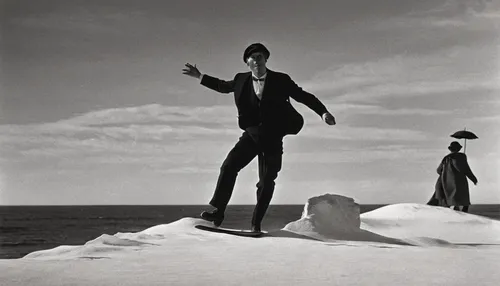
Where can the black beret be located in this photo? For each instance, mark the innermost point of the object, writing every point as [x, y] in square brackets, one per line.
[454, 146]
[255, 48]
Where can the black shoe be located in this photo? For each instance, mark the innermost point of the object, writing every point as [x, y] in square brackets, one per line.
[214, 216]
[256, 228]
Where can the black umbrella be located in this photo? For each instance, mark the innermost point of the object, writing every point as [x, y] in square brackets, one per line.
[464, 134]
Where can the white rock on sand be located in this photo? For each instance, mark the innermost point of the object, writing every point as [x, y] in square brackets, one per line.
[331, 244]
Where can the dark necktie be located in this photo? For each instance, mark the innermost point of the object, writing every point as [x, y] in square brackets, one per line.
[258, 79]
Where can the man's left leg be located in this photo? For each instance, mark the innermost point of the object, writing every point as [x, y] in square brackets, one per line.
[270, 161]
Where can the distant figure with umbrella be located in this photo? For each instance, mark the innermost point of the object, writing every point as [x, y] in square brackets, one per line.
[452, 188]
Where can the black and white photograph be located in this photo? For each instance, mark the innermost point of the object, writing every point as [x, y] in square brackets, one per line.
[277, 142]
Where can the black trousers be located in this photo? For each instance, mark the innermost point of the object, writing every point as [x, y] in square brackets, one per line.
[252, 143]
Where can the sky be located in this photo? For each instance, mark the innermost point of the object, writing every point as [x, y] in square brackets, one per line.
[94, 108]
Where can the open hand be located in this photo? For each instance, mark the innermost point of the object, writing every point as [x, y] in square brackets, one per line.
[191, 70]
[328, 118]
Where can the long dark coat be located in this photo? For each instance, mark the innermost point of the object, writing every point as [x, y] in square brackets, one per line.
[452, 188]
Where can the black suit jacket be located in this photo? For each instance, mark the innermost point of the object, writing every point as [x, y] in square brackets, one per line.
[274, 111]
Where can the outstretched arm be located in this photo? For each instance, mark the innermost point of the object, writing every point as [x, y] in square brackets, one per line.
[209, 81]
[217, 84]
[311, 101]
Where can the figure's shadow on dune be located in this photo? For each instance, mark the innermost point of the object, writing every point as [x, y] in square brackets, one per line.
[287, 234]
[359, 235]
[355, 236]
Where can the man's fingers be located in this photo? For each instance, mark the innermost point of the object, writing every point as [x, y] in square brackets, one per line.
[191, 68]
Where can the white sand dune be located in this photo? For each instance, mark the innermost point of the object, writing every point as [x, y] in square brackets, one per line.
[412, 222]
[331, 244]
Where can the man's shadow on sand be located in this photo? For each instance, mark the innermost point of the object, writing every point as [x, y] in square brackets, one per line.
[361, 237]
[353, 237]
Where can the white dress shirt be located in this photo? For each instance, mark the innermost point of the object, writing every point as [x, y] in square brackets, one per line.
[258, 85]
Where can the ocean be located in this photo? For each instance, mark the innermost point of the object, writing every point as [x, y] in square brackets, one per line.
[24, 229]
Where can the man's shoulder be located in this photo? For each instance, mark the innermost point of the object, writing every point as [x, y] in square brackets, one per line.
[458, 156]
[242, 75]
[278, 73]
[279, 76]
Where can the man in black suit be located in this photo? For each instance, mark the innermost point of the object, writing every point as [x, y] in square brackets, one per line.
[265, 115]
